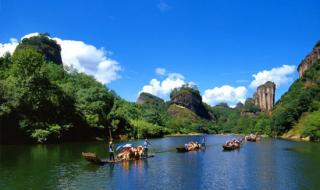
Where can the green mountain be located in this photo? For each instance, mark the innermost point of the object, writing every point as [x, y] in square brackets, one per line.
[297, 112]
[45, 46]
[147, 98]
[42, 102]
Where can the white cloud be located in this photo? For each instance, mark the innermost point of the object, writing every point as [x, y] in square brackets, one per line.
[226, 94]
[163, 88]
[160, 71]
[83, 57]
[279, 75]
[88, 59]
[8, 47]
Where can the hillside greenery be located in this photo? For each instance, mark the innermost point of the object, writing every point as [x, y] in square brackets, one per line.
[185, 89]
[300, 102]
[45, 46]
[41, 101]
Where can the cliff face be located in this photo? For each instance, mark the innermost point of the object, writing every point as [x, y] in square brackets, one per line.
[309, 60]
[191, 99]
[146, 98]
[264, 97]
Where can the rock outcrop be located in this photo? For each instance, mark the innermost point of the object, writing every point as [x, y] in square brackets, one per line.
[190, 98]
[146, 98]
[44, 45]
[264, 97]
[309, 60]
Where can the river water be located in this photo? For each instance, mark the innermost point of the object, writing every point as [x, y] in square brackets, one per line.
[270, 164]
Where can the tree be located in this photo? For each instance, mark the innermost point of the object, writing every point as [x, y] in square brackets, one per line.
[250, 107]
[95, 104]
[45, 46]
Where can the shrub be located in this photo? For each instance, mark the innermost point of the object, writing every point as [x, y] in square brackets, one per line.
[144, 129]
[310, 125]
[40, 135]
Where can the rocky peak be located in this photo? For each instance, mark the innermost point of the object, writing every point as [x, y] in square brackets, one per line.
[309, 60]
[264, 96]
[189, 97]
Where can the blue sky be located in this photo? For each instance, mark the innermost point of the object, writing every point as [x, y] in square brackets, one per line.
[210, 43]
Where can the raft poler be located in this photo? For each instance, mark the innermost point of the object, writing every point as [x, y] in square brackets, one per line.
[146, 145]
[203, 142]
[111, 151]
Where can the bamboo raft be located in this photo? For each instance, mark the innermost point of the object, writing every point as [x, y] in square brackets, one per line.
[228, 148]
[94, 159]
[183, 149]
[253, 139]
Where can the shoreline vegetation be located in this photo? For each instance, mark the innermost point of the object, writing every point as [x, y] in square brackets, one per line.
[42, 101]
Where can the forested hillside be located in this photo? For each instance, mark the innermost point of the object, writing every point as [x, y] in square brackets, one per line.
[43, 101]
[298, 109]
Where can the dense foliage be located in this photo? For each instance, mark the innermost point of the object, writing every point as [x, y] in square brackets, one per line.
[41, 101]
[185, 89]
[302, 97]
[309, 125]
[235, 120]
[45, 46]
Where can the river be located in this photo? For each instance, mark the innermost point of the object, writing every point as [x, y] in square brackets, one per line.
[270, 164]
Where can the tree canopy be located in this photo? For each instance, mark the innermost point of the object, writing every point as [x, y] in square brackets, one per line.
[45, 46]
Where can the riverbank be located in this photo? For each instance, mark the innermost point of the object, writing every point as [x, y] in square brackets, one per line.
[181, 134]
[295, 134]
[295, 137]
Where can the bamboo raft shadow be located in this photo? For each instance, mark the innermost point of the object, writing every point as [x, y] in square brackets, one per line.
[230, 148]
[183, 149]
[94, 159]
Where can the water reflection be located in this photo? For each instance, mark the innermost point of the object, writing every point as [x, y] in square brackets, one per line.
[271, 164]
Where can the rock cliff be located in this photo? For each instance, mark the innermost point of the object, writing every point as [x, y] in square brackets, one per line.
[190, 98]
[264, 97]
[309, 60]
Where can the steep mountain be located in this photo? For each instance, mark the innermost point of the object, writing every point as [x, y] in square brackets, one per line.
[264, 96]
[302, 101]
[189, 97]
